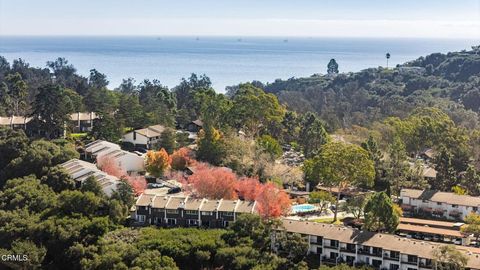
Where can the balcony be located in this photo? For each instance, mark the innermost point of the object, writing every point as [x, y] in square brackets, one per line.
[348, 250]
[426, 265]
[411, 262]
[364, 251]
[391, 258]
[330, 246]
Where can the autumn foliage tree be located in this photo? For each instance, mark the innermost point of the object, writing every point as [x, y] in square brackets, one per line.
[272, 201]
[248, 188]
[181, 158]
[214, 183]
[109, 166]
[157, 162]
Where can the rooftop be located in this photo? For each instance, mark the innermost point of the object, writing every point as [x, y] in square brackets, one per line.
[443, 197]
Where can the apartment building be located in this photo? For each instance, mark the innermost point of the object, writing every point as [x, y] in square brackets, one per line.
[338, 244]
[184, 211]
[438, 204]
[81, 170]
[126, 161]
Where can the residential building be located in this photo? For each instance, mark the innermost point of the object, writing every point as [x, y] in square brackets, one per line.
[194, 126]
[145, 138]
[185, 211]
[127, 161]
[81, 170]
[83, 121]
[438, 204]
[80, 121]
[338, 244]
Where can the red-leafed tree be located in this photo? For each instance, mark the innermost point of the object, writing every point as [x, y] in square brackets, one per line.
[108, 165]
[138, 183]
[248, 188]
[181, 158]
[272, 202]
[214, 183]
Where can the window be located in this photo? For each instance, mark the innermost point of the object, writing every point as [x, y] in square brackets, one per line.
[333, 255]
[134, 136]
[394, 254]
[412, 259]
[454, 206]
[226, 223]
[319, 250]
[191, 212]
[141, 218]
[192, 222]
[172, 211]
[439, 203]
[171, 221]
[394, 267]
[207, 213]
[334, 243]
[475, 209]
[227, 214]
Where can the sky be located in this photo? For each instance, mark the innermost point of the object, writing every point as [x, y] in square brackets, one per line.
[309, 18]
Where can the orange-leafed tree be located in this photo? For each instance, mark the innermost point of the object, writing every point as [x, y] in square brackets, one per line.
[214, 183]
[157, 162]
[108, 165]
[272, 202]
[248, 188]
[181, 158]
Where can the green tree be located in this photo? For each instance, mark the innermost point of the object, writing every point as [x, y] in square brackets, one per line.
[448, 257]
[356, 206]
[472, 226]
[71, 202]
[152, 259]
[254, 110]
[27, 193]
[92, 185]
[271, 146]
[210, 146]
[167, 140]
[58, 179]
[380, 213]
[322, 198]
[14, 94]
[130, 112]
[332, 67]
[312, 135]
[51, 110]
[446, 174]
[34, 253]
[107, 128]
[397, 165]
[340, 165]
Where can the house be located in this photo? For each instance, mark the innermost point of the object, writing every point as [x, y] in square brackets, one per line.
[81, 170]
[194, 126]
[185, 211]
[428, 154]
[333, 245]
[438, 204]
[83, 121]
[145, 138]
[126, 161]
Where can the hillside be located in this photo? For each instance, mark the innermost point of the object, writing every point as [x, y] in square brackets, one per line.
[449, 81]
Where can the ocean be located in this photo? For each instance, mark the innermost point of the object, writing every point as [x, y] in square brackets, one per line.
[226, 60]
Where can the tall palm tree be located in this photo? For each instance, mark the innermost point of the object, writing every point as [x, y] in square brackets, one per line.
[388, 57]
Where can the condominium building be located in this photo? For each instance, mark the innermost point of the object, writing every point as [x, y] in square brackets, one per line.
[173, 210]
[338, 244]
[438, 204]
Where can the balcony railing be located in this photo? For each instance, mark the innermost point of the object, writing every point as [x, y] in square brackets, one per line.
[349, 250]
[392, 258]
[410, 262]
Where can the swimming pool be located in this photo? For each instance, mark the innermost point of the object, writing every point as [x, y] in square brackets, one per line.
[303, 208]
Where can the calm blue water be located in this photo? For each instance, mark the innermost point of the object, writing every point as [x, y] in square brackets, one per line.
[303, 208]
[226, 60]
